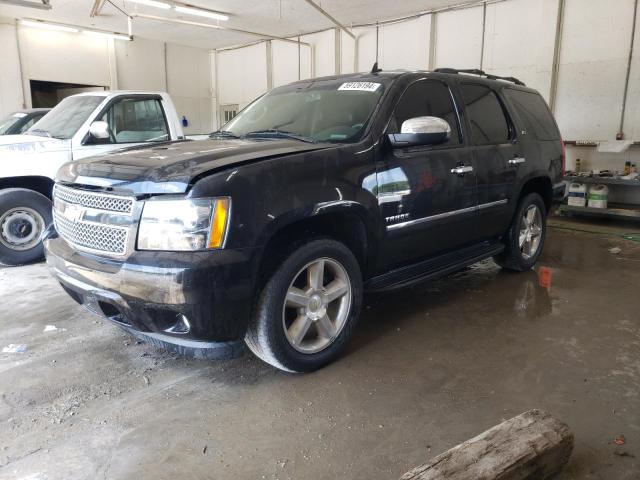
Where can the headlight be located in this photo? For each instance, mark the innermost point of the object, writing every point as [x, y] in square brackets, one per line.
[184, 225]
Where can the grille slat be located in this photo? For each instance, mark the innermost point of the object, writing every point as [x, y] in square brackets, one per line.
[100, 237]
[111, 203]
[89, 235]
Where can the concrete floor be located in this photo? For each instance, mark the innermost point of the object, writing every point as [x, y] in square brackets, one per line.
[428, 368]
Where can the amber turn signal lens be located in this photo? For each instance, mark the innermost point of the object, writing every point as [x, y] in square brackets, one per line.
[219, 223]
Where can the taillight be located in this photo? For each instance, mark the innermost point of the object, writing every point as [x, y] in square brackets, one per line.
[564, 157]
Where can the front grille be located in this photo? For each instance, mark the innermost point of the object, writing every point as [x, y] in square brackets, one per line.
[97, 222]
[100, 201]
[102, 238]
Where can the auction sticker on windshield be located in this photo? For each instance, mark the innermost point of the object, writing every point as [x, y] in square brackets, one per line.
[361, 86]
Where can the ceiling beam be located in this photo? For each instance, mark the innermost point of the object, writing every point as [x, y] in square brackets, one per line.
[326, 14]
[97, 6]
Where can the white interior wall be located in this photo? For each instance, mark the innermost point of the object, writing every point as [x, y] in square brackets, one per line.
[405, 45]
[137, 65]
[11, 97]
[241, 74]
[141, 65]
[45, 56]
[459, 38]
[593, 63]
[284, 56]
[531, 57]
[365, 48]
[189, 83]
[347, 50]
[323, 46]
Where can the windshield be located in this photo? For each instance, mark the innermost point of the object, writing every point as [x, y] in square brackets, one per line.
[325, 111]
[8, 122]
[66, 118]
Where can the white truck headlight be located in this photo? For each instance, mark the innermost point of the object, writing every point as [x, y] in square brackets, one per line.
[184, 225]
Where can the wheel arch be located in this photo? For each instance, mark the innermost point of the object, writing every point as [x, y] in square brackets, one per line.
[42, 185]
[540, 184]
[347, 222]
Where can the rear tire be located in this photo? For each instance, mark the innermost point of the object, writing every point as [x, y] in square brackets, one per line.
[24, 215]
[308, 308]
[525, 238]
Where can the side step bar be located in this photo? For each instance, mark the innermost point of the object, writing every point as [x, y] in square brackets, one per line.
[432, 268]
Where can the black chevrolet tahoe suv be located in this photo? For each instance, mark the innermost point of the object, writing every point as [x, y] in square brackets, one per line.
[271, 230]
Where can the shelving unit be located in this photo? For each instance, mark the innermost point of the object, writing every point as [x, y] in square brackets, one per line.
[617, 211]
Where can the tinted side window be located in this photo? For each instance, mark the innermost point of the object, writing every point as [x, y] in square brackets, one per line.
[486, 116]
[426, 98]
[533, 111]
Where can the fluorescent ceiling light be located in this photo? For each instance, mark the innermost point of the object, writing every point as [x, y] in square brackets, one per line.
[25, 3]
[48, 26]
[117, 36]
[152, 3]
[201, 13]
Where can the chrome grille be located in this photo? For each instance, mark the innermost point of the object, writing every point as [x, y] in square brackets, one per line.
[100, 201]
[101, 238]
[96, 222]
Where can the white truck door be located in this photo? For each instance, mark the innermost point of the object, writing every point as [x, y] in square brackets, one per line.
[133, 120]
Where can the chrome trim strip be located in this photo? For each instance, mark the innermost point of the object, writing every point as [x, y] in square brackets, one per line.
[451, 213]
[493, 204]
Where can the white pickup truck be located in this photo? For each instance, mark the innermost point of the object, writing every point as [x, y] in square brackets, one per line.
[79, 126]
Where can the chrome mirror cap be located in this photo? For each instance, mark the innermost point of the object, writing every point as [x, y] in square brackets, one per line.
[99, 130]
[421, 131]
[426, 125]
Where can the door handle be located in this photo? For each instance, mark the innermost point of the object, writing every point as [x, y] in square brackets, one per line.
[517, 160]
[462, 169]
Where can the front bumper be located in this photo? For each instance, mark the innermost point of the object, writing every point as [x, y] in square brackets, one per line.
[194, 303]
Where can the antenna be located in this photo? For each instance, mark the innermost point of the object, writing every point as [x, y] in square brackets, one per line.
[375, 68]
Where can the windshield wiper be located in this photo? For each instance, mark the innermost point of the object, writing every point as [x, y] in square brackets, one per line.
[275, 133]
[40, 132]
[223, 133]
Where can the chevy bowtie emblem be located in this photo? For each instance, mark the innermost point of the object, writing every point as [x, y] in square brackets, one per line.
[73, 212]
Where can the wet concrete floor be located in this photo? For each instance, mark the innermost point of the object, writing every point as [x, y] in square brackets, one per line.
[428, 368]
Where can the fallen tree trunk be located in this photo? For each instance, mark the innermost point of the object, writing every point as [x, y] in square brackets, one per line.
[532, 445]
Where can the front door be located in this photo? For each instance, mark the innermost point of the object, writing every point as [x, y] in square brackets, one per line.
[497, 157]
[427, 193]
[132, 121]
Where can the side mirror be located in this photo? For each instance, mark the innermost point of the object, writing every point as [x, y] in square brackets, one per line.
[419, 131]
[99, 130]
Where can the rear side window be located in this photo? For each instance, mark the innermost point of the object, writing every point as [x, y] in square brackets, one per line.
[534, 113]
[486, 115]
[426, 98]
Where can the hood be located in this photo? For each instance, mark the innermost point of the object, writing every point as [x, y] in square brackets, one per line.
[31, 144]
[172, 167]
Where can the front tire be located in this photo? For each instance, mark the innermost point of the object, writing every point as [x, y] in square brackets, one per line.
[525, 238]
[308, 308]
[24, 215]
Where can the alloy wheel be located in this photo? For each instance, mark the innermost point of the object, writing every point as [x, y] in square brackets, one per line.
[317, 305]
[530, 232]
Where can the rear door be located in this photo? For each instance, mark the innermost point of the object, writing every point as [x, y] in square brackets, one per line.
[497, 156]
[425, 206]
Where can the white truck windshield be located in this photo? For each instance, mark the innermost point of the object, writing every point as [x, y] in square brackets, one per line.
[67, 117]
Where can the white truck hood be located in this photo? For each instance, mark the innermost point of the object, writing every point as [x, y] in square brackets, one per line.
[32, 143]
[22, 155]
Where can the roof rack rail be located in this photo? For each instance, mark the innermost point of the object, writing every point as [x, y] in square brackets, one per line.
[481, 73]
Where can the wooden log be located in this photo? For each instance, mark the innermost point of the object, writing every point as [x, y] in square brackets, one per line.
[531, 446]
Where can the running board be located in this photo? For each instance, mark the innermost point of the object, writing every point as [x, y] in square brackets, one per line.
[432, 268]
